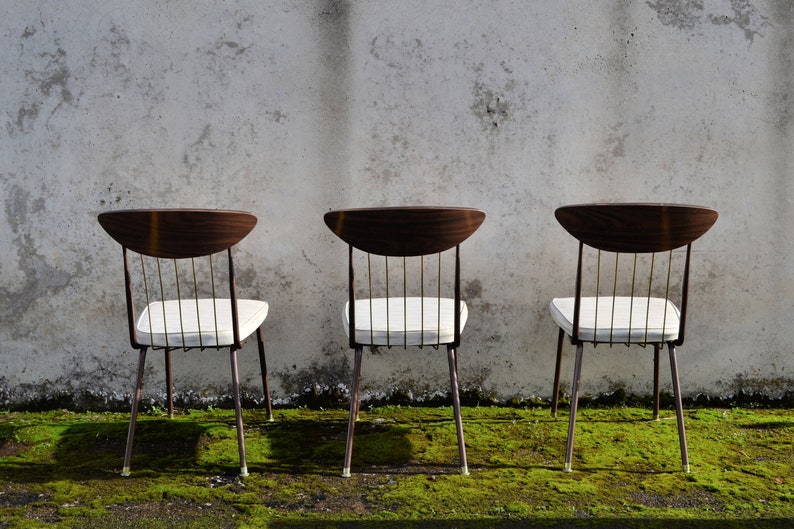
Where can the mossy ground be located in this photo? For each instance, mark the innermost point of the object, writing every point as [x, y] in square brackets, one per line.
[62, 468]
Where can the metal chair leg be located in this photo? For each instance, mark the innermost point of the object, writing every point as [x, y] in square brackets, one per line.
[238, 409]
[351, 425]
[657, 349]
[555, 394]
[577, 372]
[169, 382]
[263, 367]
[453, 377]
[679, 408]
[136, 399]
[357, 400]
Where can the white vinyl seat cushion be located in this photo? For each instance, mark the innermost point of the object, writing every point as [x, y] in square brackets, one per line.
[410, 321]
[625, 324]
[197, 323]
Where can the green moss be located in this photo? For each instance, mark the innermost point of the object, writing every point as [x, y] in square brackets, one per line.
[64, 467]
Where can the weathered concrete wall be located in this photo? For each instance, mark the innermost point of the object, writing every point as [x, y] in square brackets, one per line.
[292, 108]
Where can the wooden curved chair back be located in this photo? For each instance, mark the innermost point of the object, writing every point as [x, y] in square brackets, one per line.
[404, 232]
[636, 229]
[176, 234]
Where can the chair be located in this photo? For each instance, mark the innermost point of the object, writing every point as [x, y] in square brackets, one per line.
[417, 314]
[631, 298]
[186, 284]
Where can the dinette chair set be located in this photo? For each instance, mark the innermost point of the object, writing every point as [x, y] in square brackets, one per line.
[404, 289]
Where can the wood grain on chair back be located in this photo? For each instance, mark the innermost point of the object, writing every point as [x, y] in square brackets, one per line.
[404, 231]
[177, 233]
[637, 228]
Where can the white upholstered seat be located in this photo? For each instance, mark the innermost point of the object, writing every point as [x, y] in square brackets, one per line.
[192, 323]
[620, 322]
[408, 321]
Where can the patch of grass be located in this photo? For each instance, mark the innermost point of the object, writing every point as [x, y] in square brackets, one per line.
[63, 467]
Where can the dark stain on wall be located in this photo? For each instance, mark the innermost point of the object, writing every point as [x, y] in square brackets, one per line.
[56, 80]
[334, 84]
[614, 147]
[40, 397]
[688, 15]
[40, 277]
[192, 157]
[745, 17]
[490, 106]
[320, 384]
[681, 14]
[49, 80]
[472, 289]
[26, 116]
[782, 104]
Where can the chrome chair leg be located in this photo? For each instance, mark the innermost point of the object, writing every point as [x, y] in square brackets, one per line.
[555, 394]
[453, 377]
[238, 410]
[169, 383]
[679, 408]
[136, 399]
[577, 372]
[358, 396]
[263, 367]
[657, 349]
[351, 425]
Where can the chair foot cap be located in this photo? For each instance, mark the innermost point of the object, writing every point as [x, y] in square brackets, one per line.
[125, 472]
[464, 471]
[567, 468]
[687, 470]
[244, 472]
[346, 473]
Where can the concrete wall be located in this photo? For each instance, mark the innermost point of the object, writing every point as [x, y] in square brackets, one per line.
[291, 108]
